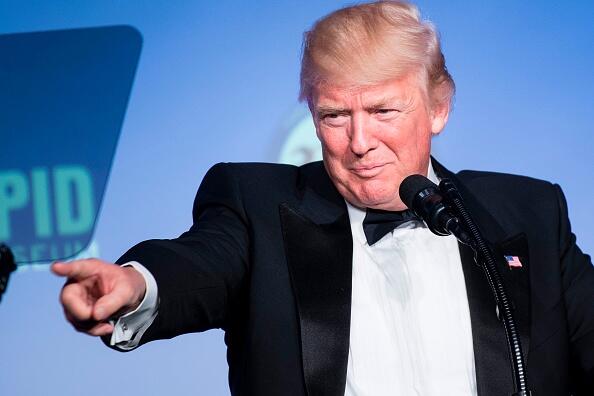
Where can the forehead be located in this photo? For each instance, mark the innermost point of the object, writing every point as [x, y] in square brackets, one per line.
[395, 90]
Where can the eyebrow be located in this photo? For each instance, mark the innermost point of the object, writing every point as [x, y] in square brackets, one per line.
[332, 109]
[387, 101]
[401, 103]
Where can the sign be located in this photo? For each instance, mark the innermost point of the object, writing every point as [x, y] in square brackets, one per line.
[63, 97]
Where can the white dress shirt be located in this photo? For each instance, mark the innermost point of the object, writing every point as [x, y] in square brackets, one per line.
[410, 321]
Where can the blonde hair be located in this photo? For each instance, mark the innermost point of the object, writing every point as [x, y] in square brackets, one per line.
[370, 43]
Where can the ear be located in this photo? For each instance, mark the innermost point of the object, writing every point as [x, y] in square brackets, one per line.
[439, 116]
[312, 112]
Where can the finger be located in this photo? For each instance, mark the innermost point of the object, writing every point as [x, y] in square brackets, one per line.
[75, 301]
[101, 329]
[82, 326]
[59, 268]
[77, 269]
[111, 303]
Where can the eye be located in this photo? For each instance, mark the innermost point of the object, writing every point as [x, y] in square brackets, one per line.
[332, 115]
[385, 111]
[333, 119]
[385, 114]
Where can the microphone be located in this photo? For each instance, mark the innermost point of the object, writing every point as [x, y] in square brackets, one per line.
[423, 197]
[7, 265]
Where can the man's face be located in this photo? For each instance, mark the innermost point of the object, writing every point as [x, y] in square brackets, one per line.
[373, 137]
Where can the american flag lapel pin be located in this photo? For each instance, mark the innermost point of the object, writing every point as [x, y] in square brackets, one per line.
[513, 262]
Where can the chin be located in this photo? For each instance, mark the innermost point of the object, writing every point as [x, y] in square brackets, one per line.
[380, 199]
[376, 201]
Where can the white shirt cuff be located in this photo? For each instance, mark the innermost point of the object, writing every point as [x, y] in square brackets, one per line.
[129, 328]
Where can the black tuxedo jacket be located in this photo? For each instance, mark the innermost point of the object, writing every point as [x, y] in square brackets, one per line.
[269, 258]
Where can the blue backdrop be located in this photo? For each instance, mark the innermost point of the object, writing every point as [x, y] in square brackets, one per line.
[218, 81]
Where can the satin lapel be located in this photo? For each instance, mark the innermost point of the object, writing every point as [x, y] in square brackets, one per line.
[318, 245]
[491, 358]
[493, 365]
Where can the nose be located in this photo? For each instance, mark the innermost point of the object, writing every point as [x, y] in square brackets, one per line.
[362, 137]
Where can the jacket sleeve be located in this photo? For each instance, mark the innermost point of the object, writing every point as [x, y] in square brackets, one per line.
[200, 275]
[578, 291]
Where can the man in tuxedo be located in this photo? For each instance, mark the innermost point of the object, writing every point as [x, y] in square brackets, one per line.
[322, 280]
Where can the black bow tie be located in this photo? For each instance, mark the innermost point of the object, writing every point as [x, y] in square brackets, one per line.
[378, 223]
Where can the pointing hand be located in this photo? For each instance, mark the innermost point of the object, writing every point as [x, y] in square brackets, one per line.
[97, 291]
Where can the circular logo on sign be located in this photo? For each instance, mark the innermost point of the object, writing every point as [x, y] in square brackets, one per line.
[300, 144]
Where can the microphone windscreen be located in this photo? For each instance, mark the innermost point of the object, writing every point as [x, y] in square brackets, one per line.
[411, 186]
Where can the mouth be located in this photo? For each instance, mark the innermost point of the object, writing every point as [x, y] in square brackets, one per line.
[367, 171]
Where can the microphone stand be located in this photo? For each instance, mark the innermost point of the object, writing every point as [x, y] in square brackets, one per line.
[7, 265]
[485, 258]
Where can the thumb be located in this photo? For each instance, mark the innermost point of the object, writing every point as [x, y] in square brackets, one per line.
[110, 304]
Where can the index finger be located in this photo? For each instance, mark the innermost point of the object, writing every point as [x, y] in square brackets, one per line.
[77, 269]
